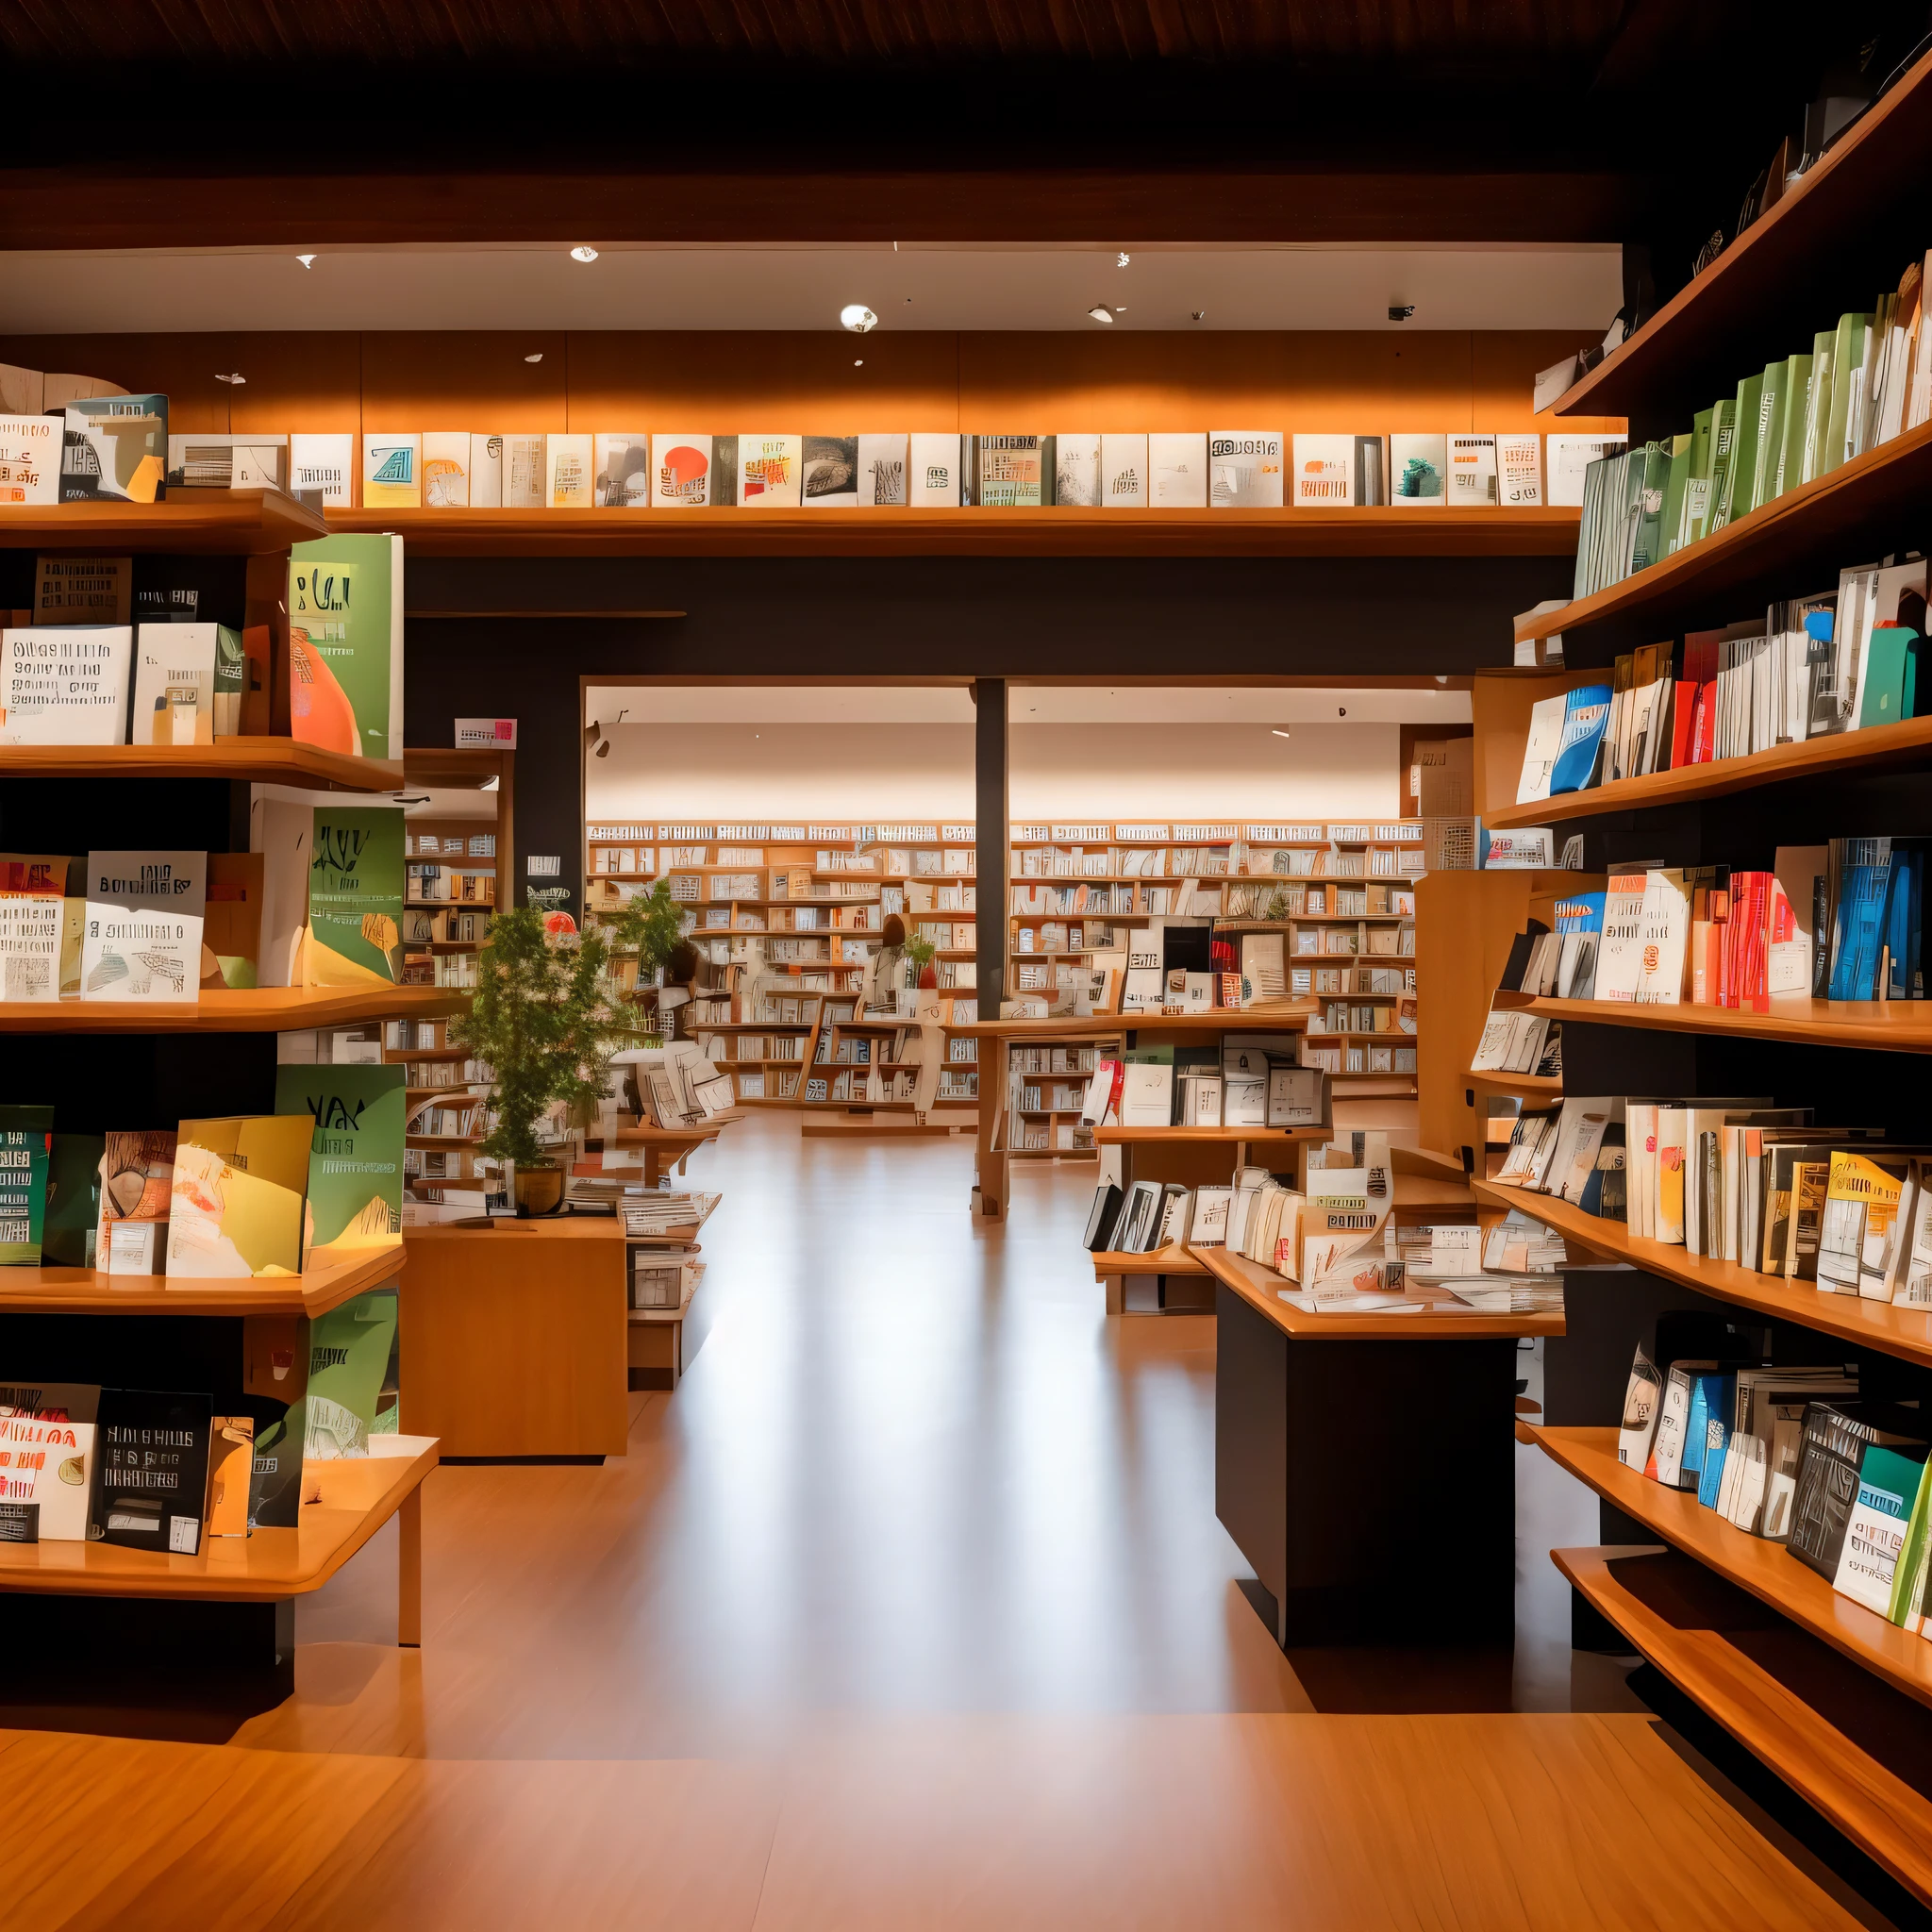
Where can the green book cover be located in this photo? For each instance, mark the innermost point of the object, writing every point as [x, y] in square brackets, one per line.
[1798, 411]
[1700, 443]
[1673, 523]
[356, 1159]
[1733, 500]
[1772, 397]
[26, 1135]
[73, 1199]
[346, 644]
[1913, 1570]
[348, 1357]
[356, 881]
[1818, 406]
[1723, 424]
[1848, 362]
[1652, 469]
[1888, 679]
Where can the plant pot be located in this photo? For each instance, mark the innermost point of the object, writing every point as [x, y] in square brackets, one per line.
[539, 1190]
[928, 975]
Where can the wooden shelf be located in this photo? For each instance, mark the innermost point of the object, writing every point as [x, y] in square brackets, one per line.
[1884, 1025]
[1903, 1332]
[1386, 532]
[356, 1498]
[81, 1291]
[1171, 1261]
[1288, 1017]
[1260, 1288]
[1516, 1083]
[227, 523]
[1740, 312]
[1862, 509]
[1879, 747]
[221, 1010]
[1146, 1137]
[1778, 1694]
[1766, 1569]
[261, 760]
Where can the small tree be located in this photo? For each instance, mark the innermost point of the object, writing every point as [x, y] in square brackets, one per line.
[920, 952]
[539, 1019]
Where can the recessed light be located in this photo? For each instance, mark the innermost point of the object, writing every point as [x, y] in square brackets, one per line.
[1100, 314]
[583, 252]
[1121, 260]
[307, 261]
[237, 379]
[858, 318]
[858, 361]
[537, 357]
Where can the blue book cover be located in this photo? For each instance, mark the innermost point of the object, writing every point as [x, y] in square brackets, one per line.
[1859, 932]
[1580, 926]
[1711, 1399]
[1585, 713]
[1900, 924]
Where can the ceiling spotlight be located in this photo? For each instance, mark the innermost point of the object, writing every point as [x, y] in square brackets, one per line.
[1200, 315]
[858, 361]
[537, 357]
[1121, 260]
[307, 261]
[237, 379]
[1401, 311]
[1280, 732]
[583, 252]
[858, 318]
[1100, 314]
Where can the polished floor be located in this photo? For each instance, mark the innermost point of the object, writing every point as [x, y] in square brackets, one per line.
[908, 1608]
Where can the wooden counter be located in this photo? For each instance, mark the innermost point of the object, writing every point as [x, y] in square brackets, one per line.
[513, 1337]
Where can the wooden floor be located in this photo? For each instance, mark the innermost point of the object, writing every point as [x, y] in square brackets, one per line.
[908, 1610]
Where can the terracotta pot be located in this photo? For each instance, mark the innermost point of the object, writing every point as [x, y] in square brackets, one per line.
[929, 975]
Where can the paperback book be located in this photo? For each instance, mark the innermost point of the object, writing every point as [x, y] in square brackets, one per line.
[239, 1202]
[150, 1475]
[65, 684]
[392, 472]
[356, 897]
[355, 1183]
[623, 470]
[114, 449]
[141, 932]
[1244, 469]
[47, 1456]
[346, 644]
[26, 1135]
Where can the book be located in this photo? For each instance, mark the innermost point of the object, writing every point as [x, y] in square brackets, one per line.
[570, 471]
[1176, 470]
[1124, 477]
[141, 938]
[828, 472]
[186, 684]
[1568, 456]
[72, 1212]
[114, 449]
[1586, 716]
[526, 471]
[83, 590]
[1620, 962]
[1471, 473]
[355, 1183]
[1579, 923]
[1912, 1568]
[1325, 471]
[137, 1190]
[1102, 1217]
[65, 684]
[883, 479]
[938, 476]
[47, 1455]
[1664, 937]
[349, 1352]
[445, 469]
[230, 1473]
[1546, 739]
[485, 474]
[355, 896]
[1641, 1400]
[681, 473]
[1418, 464]
[391, 471]
[33, 927]
[150, 1477]
[768, 471]
[1244, 469]
[27, 1135]
[1371, 472]
[1832, 1451]
[1858, 1225]
[1520, 471]
[346, 644]
[623, 475]
[1881, 1509]
[239, 1201]
[322, 468]
[29, 461]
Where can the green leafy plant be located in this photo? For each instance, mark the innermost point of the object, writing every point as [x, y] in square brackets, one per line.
[647, 929]
[920, 952]
[541, 1020]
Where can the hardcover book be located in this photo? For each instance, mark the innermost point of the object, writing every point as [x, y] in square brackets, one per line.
[210, 461]
[1123, 472]
[29, 461]
[1244, 469]
[445, 469]
[1324, 469]
[1178, 469]
[569, 472]
[883, 477]
[114, 449]
[1418, 463]
[65, 684]
[137, 1189]
[937, 473]
[355, 1158]
[150, 1483]
[323, 465]
[681, 475]
[392, 472]
[83, 590]
[1519, 470]
[73, 1200]
[623, 470]
[33, 924]
[356, 881]
[349, 1353]
[141, 938]
[47, 1453]
[1473, 483]
[768, 471]
[188, 681]
[25, 1143]
[828, 472]
[346, 644]
[238, 1204]
[485, 471]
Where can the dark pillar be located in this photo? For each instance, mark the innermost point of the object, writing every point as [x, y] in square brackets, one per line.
[989, 842]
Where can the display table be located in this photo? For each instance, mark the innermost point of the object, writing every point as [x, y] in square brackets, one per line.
[513, 1337]
[1364, 1464]
[668, 1147]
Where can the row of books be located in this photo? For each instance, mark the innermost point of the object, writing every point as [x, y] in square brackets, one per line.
[1796, 1455]
[1247, 1079]
[1860, 386]
[1812, 667]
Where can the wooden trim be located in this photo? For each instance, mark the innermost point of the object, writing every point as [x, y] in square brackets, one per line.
[1883, 1025]
[227, 523]
[84, 1291]
[1903, 1332]
[1143, 1137]
[1171, 1261]
[261, 760]
[224, 1010]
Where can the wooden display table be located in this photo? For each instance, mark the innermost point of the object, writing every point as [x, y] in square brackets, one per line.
[668, 1147]
[513, 1337]
[1365, 1463]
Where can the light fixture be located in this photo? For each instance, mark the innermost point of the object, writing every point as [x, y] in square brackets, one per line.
[307, 261]
[1101, 314]
[537, 357]
[1401, 311]
[1121, 260]
[858, 361]
[238, 378]
[1280, 733]
[1200, 315]
[858, 318]
[583, 252]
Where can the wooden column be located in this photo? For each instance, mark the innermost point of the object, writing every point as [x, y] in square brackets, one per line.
[991, 845]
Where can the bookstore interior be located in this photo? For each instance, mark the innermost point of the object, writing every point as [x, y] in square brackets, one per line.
[767, 1178]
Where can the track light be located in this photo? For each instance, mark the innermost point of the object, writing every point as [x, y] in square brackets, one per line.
[1101, 314]
[237, 379]
[583, 252]
[1121, 260]
[307, 261]
[858, 318]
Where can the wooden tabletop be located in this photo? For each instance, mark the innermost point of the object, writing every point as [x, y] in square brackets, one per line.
[83, 1292]
[357, 1497]
[549, 1227]
[1260, 1289]
[1168, 1261]
[262, 761]
[225, 1010]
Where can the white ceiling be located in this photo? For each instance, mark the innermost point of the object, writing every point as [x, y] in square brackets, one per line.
[1028, 704]
[917, 287]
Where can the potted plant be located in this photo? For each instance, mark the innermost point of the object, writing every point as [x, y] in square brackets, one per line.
[540, 1019]
[647, 929]
[920, 952]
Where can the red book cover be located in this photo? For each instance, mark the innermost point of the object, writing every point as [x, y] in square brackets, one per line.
[1704, 744]
[1112, 1115]
[1683, 724]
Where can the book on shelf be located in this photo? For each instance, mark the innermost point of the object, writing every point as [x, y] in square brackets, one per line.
[356, 875]
[321, 468]
[1123, 475]
[352, 1391]
[355, 1179]
[83, 590]
[1471, 473]
[621, 473]
[240, 1196]
[937, 469]
[150, 1477]
[1325, 471]
[884, 476]
[447, 464]
[27, 1134]
[391, 471]
[114, 449]
[29, 461]
[47, 1434]
[570, 466]
[1418, 464]
[141, 936]
[1245, 468]
[188, 684]
[769, 471]
[1176, 470]
[65, 684]
[346, 644]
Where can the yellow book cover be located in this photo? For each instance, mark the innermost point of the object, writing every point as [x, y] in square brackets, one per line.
[392, 472]
[1854, 1231]
[240, 1201]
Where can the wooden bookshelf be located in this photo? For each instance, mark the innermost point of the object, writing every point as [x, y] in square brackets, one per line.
[1884, 1025]
[1903, 1332]
[201, 523]
[226, 1010]
[1168, 1260]
[909, 532]
[1541, 1085]
[1738, 314]
[1188, 1137]
[83, 1292]
[239, 760]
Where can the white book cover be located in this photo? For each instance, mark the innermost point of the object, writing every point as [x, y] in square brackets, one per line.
[1325, 471]
[1567, 457]
[768, 471]
[1789, 953]
[1875, 1535]
[174, 684]
[29, 461]
[141, 936]
[1076, 470]
[1178, 468]
[47, 1454]
[1123, 472]
[936, 470]
[486, 471]
[1148, 1094]
[446, 469]
[525, 477]
[31, 926]
[1519, 470]
[65, 684]
[230, 461]
[1244, 469]
[682, 476]
[1540, 753]
[569, 469]
[1663, 939]
[623, 470]
[1417, 465]
[391, 471]
[883, 477]
[1621, 963]
[1473, 472]
[828, 472]
[325, 462]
